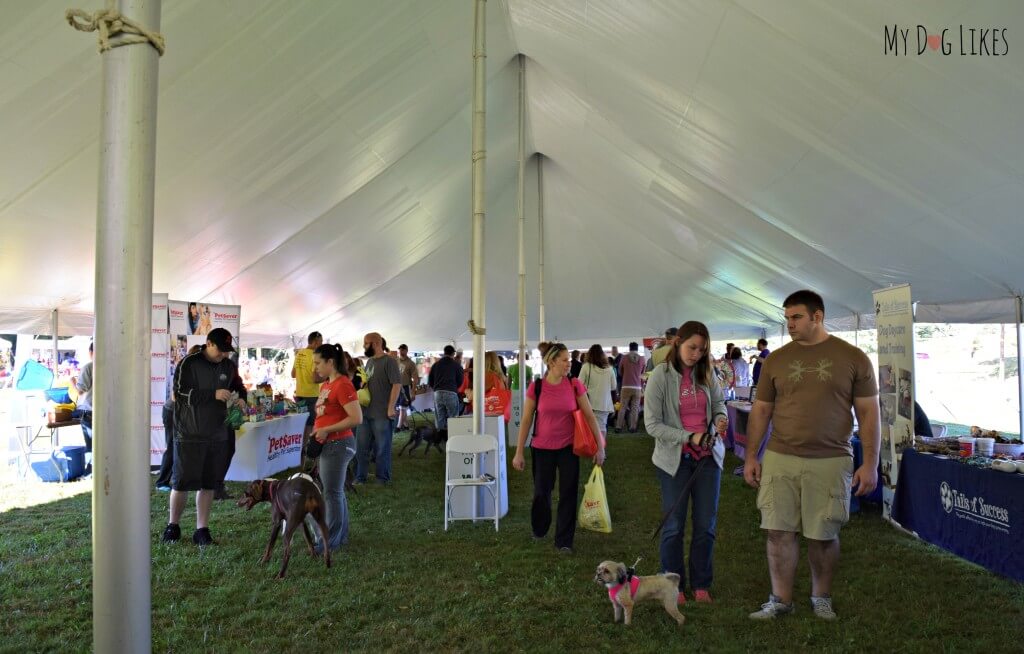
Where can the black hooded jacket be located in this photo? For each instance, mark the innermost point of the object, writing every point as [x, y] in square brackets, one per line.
[198, 414]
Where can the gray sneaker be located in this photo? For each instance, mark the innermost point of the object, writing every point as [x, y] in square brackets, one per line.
[823, 608]
[772, 608]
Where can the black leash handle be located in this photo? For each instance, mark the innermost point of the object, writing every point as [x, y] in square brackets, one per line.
[682, 493]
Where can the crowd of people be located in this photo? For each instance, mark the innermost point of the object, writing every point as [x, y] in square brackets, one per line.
[357, 403]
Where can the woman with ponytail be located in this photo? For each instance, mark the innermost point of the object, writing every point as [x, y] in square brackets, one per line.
[553, 399]
[684, 410]
[337, 413]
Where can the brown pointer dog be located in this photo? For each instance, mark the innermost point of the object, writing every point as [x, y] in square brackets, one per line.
[290, 501]
[625, 590]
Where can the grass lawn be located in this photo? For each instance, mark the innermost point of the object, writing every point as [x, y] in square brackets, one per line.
[403, 584]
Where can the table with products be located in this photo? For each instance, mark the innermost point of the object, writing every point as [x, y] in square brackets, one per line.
[736, 435]
[975, 513]
[40, 446]
[268, 447]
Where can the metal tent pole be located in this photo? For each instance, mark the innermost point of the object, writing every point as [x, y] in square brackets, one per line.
[540, 240]
[1020, 378]
[479, 206]
[520, 200]
[56, 351]
[124, 293]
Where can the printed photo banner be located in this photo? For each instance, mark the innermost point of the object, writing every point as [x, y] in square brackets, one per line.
[158, 379]
[188, 325]
[894, 321]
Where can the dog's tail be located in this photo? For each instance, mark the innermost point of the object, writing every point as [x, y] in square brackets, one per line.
[671, 576]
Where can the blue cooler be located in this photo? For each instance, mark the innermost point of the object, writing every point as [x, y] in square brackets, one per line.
[63, 464]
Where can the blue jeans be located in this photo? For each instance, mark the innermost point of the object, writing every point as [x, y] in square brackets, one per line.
[375, 433]
[446, 405]
[704, 496]
[333, 467]
[85, 415]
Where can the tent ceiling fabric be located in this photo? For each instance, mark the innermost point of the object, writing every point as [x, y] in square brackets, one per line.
[702, 159]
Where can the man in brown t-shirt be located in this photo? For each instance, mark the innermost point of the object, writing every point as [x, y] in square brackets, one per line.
[410, 380]
[807, 389]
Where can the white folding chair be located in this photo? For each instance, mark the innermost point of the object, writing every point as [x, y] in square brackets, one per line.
[476, 446]
[938, 431]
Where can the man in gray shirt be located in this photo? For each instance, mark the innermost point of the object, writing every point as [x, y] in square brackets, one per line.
[385, 382]
[83, 384]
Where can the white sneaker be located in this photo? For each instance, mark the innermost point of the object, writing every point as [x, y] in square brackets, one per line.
[823, 608]
[772, 608]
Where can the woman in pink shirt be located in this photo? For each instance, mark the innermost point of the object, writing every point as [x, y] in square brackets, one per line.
[682, 404]
[553, 399]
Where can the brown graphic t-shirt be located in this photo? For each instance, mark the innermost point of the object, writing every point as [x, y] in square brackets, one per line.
[813, 387]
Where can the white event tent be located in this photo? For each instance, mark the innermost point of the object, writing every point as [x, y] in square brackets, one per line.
[701, 159]
[692, 159]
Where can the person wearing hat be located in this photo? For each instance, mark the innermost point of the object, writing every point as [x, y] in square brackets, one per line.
[202, 391]
[659, 354]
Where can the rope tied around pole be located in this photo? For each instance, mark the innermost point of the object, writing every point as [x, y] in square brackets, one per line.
[473, 329]
[109, 22]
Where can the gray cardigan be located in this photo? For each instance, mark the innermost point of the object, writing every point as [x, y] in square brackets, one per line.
[661, 417]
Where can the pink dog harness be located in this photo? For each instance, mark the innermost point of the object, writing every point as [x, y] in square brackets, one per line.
[634, 583]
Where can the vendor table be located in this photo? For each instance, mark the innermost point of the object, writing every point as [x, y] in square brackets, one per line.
[266, 448]
[858, 459]
[974, 513]
[424, 401]
[739, 413]
[31, 436]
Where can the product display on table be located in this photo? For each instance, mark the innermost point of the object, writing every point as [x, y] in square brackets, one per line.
[984, 448]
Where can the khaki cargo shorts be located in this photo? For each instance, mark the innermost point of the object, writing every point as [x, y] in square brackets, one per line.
[805, 495]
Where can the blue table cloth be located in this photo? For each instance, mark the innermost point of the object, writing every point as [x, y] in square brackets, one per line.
[875, 495]
[974, 513]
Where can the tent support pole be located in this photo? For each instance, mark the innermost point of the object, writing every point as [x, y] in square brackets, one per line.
[1020, 379]
[124, 298]
[521, 219]
[56, 350]
[479, 205]
[540, 241]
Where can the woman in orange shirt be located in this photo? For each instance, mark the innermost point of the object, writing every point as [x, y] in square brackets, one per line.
[337, 412]
[493, 378]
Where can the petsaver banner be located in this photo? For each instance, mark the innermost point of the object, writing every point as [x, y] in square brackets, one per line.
[158, 379]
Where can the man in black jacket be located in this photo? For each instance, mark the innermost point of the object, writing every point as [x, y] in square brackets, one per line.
[202, 390]
[444, 379]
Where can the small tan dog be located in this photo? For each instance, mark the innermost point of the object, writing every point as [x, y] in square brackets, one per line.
[625, 590]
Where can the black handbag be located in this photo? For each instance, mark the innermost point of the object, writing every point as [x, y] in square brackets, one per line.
[314, 448]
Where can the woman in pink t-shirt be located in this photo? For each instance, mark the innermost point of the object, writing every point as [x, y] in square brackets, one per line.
[554, 401]
[683, 403]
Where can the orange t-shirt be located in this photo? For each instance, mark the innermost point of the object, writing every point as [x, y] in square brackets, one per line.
[330, 405]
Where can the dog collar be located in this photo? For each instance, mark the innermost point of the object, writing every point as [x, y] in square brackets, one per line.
[634, 584]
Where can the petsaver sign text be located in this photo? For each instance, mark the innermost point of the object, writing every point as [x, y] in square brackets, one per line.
[284, 445]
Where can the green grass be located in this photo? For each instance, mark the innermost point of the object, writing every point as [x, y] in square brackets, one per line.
[403, 584]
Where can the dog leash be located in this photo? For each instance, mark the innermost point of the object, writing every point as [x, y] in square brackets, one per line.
[686, 488]
[631, 570]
